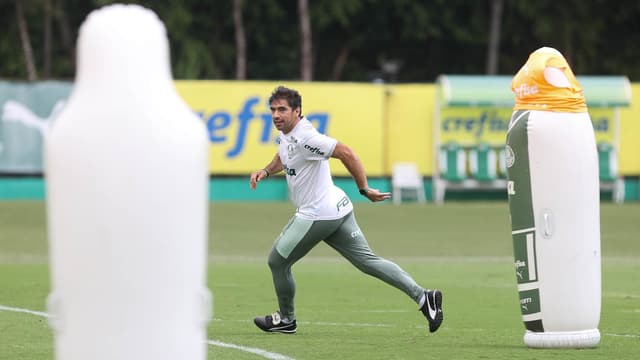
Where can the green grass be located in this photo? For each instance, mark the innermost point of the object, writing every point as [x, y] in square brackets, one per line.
[462, 248]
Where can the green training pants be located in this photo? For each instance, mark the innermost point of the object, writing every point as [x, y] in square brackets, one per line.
[299, 236]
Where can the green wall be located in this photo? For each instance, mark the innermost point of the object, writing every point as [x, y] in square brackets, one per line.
[228, 188]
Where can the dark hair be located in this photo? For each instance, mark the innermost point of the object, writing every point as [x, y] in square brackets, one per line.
[293, 97]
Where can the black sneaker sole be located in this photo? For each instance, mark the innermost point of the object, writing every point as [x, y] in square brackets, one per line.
[285, 329]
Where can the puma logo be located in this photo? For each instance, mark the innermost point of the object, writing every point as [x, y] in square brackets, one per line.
[14, 111]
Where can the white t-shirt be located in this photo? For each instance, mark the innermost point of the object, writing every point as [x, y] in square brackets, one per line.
[304, 153]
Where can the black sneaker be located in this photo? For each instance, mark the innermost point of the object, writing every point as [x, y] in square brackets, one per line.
[432, 309]
[275, 323]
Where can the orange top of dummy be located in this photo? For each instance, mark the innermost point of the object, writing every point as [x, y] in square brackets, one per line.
[546, 82]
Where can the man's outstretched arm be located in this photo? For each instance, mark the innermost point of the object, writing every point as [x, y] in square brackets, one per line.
[353, 164]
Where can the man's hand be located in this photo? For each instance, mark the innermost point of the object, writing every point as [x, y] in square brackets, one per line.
[256, 176]
[375, 195]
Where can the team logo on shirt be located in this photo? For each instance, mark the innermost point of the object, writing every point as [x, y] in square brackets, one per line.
[290, 150]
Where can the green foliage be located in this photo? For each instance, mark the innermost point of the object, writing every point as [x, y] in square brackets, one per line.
[426, 38]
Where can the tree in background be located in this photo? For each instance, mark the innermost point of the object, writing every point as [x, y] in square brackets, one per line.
[25, 41]
[306, 60]
[353, 40]
[241, 41]
[494, 37]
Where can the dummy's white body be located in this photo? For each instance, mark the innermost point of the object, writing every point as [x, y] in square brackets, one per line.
[563, 255]
[127, 200]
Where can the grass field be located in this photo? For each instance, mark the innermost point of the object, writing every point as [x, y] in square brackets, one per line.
[462, 248]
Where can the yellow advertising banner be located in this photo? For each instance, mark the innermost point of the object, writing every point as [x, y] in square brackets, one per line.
[409, 125]
[242, 135]
[470, 126]
[629, 153]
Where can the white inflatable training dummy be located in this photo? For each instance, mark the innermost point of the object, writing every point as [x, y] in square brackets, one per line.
[127, 200]
[553, 186]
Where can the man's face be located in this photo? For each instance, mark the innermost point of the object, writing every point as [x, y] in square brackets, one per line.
[283, 116]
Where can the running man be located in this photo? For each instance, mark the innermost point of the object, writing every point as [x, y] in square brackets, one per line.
[324, 213]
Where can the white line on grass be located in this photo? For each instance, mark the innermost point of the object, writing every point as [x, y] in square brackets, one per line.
[345, 324]
[338, 259]
[320, 323]
[619, 294]
[265, 354]
[13, 309]
[624, 335]
[607, 260]
[260, 352]
[314, 323]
